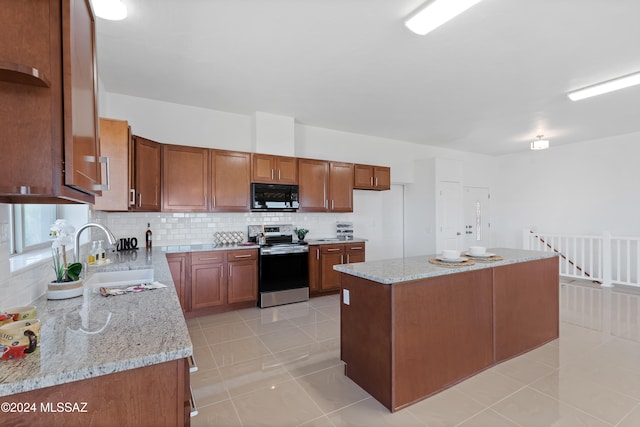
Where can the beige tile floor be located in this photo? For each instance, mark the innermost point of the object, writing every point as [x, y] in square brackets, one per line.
[281, 367]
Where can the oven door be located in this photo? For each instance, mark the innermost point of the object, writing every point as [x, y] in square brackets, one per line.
[284, 279]
[282, 272]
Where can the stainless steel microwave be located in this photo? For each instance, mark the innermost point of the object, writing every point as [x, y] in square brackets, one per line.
[274, 197]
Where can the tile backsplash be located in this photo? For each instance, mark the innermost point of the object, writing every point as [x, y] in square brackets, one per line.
[171, 229]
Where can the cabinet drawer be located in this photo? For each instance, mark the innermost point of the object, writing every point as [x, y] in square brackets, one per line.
[242, 254]
[207, 257]
[354, 247]
[332, 249]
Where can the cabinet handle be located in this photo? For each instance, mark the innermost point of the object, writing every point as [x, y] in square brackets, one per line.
[271, 174]
[208, 259]
[229, 271]
[242, 256]
[139, 200]
[105, 187]
[356, 248]
[214, 201]
[341, 259]
[372, 181]
[132, 201]
[192, 403]
[326, 204]
[192, 365]
[318, 254]
[332, 204]
[333, 249]
[278, 174]
[376, 181]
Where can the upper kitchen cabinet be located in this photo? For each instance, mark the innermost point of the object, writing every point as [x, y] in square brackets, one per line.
[48, 113]
[230, 181]
[115, 144]
[270, 169]
[185, 179]
[366, 177]
[325, 186]
[145, 195]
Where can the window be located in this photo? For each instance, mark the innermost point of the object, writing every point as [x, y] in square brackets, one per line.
[30, 226]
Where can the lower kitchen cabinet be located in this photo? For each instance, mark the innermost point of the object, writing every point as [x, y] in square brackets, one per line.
[215, 281]
[322, 258]
[242, 276]
[155, 395]
[178, 267]
[208, 279]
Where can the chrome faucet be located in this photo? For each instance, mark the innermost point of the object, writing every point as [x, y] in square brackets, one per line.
[76, 248]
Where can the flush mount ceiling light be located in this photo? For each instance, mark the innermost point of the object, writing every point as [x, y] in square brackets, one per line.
[113, 10]
[540, 144]
[605, 87]
[436, 13]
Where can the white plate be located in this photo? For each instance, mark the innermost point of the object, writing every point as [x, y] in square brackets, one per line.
[461, 259]
[484, 255]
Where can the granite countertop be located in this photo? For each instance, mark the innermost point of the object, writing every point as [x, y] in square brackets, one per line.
[92, 335]
[415, 268]
[333, 240]
[206, 247]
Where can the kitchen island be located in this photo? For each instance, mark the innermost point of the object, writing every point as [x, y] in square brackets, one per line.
[410, 328]
[118, 360]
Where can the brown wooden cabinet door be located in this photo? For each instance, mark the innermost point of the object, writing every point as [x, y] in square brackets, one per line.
[80, 88]
[178, 267]
[147, 175]
[263, 168]
[331, 255]
[230, 181]
[313, 185]
[340, 187]
[355, 252]
[286, 170]
[271, 169]
[208, 285]
[362, 177]
[115, 143]
[315, 268]
[382, 178]
[185, 179]
[242, 281]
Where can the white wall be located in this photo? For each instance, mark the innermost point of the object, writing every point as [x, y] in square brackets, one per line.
[584, 188]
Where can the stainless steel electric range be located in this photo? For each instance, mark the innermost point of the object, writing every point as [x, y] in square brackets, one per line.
[283, 265]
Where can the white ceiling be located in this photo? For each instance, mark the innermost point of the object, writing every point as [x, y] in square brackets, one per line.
[486, 82]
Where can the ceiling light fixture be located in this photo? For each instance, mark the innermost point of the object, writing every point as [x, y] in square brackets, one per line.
[605, 87]
[540, 144]
[113, 10]
[436, 13]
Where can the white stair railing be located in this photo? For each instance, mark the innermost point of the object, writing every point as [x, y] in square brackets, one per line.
[605, 259]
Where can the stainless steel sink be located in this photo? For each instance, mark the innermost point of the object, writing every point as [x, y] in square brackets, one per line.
[110, 279]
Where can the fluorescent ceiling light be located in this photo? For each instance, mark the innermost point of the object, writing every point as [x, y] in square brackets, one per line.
[540, 144]
[605, 87]
[437, 13]
[113, 10]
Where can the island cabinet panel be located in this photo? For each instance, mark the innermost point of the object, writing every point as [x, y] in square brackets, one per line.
[444, 328]
[366, 336]
[526, 306]
[150, 396]
[185, 179]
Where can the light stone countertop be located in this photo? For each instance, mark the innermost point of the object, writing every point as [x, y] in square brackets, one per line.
[92, 335]
[414, 268]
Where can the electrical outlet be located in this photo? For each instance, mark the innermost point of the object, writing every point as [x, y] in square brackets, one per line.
[345, 296]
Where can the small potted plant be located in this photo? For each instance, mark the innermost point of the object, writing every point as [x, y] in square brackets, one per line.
[301, 233]
[67, 283]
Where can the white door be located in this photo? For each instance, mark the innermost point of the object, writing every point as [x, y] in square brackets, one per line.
[476, 217]
[449, 221]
